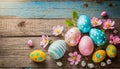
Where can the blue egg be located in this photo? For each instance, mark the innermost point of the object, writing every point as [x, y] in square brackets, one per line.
[98, 37]
[57, 49]
[84, 24]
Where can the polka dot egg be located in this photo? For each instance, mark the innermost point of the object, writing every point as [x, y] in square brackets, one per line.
[37, 56]
[72, 37]
[57, 49]
[84, 24]
[98, 37]
[111, 51]
[99, 56]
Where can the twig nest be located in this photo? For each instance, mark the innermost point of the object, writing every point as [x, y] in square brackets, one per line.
[30, 43]
[90, 65]
[108, 61]
[59, 63]
[103, 64]
[83, 63]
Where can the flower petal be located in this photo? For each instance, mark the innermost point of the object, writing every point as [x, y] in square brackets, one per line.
[70, 54]
[76, 63]
[75, 53]
[70, 59]
[72, 62]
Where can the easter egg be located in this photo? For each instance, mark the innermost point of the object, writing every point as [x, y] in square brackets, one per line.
[99, 56]
[72, 37]
[86, 46]
[84, 24]
[57, 49]
[98, 37]
[111, 51]
[37, 56]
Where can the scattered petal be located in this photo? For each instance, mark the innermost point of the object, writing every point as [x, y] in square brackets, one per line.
[104, 13]
[103, 64]
[59, 63]
[83, 63]
[115, 31]
[90, 65]
[108, 61]
[30, 43]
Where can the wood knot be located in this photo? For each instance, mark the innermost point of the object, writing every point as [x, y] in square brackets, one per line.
[21, 24]
[86, 5]
[110, 5]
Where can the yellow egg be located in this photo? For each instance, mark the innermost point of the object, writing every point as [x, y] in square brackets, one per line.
[111, 51]
[37, 56]
[99, 56]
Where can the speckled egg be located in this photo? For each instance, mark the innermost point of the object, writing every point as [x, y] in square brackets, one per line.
[86, 46]
[111, 51]
[99, 56]
[84, 24]
[72, 37]
[98, 37]
[57, 49]
[37, 56]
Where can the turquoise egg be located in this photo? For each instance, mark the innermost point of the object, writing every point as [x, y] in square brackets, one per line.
[84, 24]
[98, 37]
[57, 49]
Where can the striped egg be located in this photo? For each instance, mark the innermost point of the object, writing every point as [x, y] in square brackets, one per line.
[98, 37]
[84, 24]
[111, 51]
[57, 49]
[37, 56]
[99, 56]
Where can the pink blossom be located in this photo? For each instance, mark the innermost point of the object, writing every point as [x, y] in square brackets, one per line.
[104, 13]
[95, 22]
[30, 43]
[57, 30]
[108, 24]
[114, 39]
[44, 41]
[74, 58]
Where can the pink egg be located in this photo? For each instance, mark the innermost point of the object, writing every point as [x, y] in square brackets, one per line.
[72, 37]
[86, 46]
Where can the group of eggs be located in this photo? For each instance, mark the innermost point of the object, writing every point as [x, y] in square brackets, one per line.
[85, 43]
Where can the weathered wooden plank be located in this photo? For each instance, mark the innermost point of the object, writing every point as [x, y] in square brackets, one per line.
[33, 27]
[28, 27]
[24, 61]
[51, 9]
[15, 50]
[20, 43]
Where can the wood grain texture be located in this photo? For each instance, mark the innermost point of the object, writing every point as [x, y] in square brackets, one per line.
[33, 27]
[18, 55]
[14, 51]
[57, 9]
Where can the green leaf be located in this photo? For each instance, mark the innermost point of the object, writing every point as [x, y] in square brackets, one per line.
[74, 15]
[69, 23]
